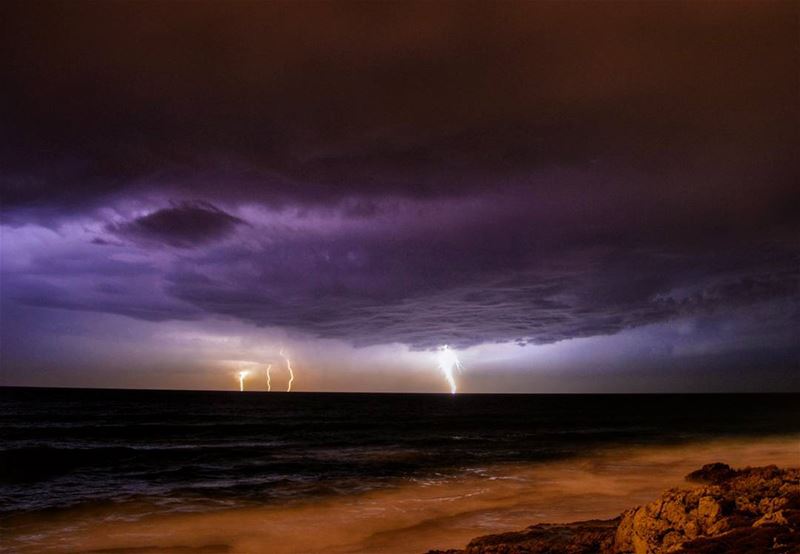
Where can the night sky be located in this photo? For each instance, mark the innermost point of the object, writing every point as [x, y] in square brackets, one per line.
[575, 196]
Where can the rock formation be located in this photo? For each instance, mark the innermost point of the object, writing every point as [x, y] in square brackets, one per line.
[729, 511]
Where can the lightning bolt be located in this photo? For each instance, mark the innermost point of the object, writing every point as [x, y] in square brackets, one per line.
[269, 379]
[242, 375]
[448, 361]
[289, 367]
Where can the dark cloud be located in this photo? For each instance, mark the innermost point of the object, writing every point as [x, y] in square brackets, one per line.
[408, 172]
[99, 241]
[461, 291]
[110, 299]
[184, 225]
[315, 103]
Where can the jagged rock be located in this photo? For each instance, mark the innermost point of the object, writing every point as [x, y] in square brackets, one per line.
[583, 537]
[774, 518]
[729, 509]
[751, 510]
[712, 473]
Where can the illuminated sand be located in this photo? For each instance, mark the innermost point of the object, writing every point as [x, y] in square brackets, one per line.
[414, 516]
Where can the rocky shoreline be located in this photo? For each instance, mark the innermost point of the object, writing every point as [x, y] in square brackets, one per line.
[728, 511]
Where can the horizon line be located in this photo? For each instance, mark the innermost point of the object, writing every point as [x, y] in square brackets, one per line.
[409, 393]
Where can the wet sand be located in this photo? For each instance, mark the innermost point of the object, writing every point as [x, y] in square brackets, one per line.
[414, 516]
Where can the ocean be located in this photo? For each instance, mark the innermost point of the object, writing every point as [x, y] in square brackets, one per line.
[181, 451]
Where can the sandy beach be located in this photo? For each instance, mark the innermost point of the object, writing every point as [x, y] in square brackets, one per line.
[408, 518]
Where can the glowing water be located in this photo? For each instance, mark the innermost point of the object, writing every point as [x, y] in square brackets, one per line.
[410, 517]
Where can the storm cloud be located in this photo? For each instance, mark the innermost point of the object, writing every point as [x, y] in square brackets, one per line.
[416, 173]
[183, 225]
[409, 294]
[314, 104]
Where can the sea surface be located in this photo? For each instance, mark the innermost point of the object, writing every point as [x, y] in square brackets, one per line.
[180, 451]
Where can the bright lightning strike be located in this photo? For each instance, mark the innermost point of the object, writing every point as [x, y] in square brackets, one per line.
[448, 361]
[269, 378]
[242, 375]
[289, 367]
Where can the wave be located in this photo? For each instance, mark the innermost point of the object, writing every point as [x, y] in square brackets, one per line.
[185, 449]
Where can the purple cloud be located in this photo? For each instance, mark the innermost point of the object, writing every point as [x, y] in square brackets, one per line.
[183, 225]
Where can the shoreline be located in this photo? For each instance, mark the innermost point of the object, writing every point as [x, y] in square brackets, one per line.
[722, 509]
[413, 517]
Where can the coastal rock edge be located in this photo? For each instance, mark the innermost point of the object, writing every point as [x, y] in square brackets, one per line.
[729, 511]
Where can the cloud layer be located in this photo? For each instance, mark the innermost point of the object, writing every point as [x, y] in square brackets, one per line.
[415, 173]
[183, 225]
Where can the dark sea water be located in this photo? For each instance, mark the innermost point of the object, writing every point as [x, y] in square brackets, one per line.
[181, 451]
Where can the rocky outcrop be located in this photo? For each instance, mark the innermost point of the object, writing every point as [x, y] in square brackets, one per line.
[750, 510]
[546, 538]
[730, 511]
